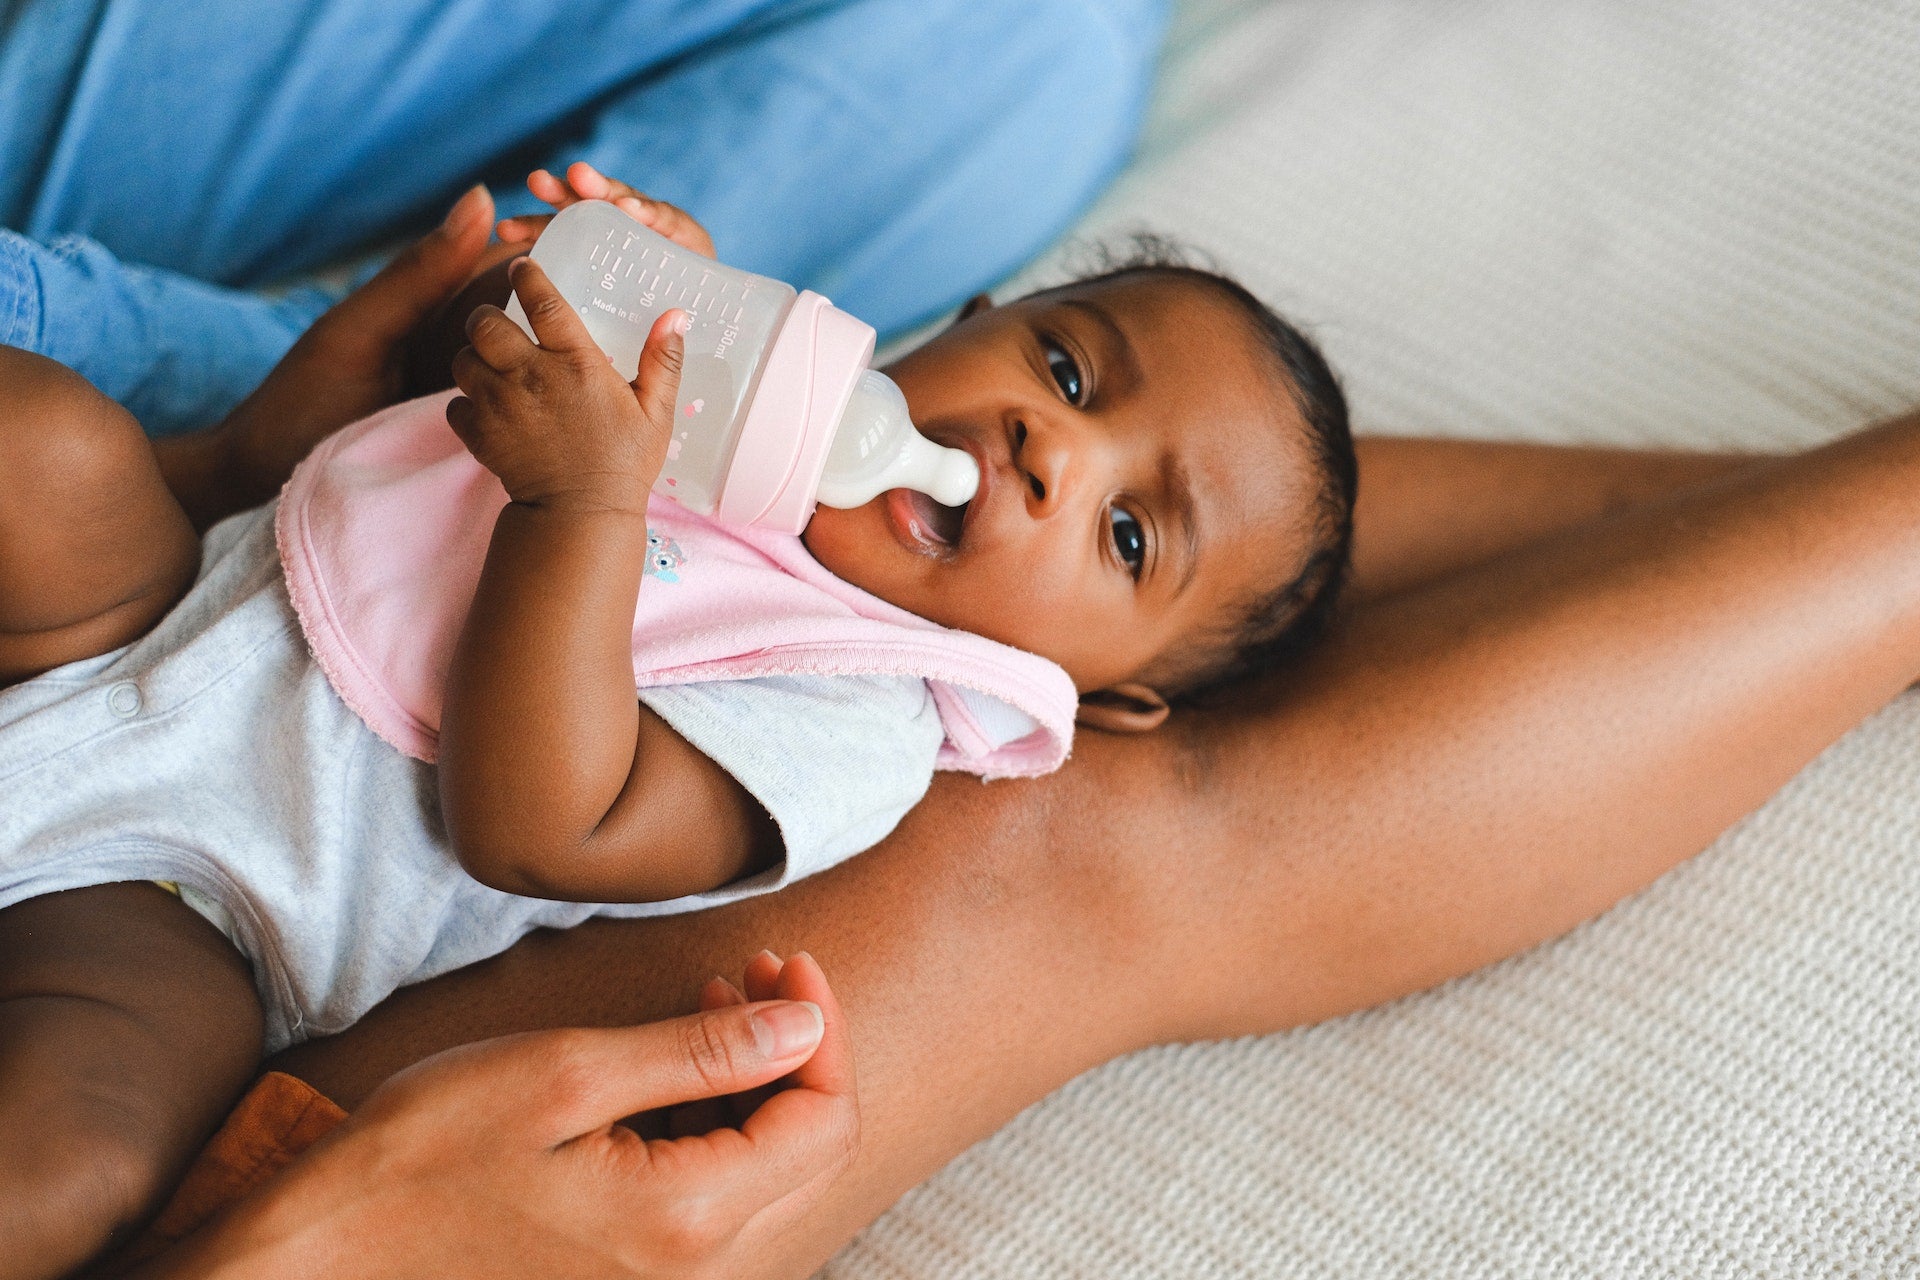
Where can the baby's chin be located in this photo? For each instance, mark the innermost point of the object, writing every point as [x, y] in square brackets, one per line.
[898, 537]
[856, 545]
[865, 546]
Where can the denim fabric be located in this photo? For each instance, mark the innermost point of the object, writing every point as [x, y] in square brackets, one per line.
[895, 154]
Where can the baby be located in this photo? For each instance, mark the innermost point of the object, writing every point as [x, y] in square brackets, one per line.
[1167, 486]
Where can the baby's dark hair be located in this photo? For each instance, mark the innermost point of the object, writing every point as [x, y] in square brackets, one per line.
[1281, 622]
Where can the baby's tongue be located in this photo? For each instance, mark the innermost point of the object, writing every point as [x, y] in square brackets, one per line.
[943, 522]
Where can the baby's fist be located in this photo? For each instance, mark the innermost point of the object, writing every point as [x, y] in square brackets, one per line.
[554, 421]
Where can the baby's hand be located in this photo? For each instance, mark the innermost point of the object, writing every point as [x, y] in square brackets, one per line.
[554, 421]
[584, 182]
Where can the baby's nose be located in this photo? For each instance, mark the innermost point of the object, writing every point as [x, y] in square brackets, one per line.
[1043, 455]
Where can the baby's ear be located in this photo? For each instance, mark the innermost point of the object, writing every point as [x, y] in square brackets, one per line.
[1122, 708]
[974, 306]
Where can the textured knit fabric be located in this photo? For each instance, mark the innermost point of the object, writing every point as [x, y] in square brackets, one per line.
[1681, 222]
[213, 753]
[385, 527]
[158, 156]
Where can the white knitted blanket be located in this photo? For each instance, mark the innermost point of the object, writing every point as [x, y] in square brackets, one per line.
[1692, 222]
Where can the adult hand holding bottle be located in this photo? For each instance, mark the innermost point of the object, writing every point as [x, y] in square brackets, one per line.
[509, 1158]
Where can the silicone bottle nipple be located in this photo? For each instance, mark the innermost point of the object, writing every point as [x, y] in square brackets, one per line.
[877, 448]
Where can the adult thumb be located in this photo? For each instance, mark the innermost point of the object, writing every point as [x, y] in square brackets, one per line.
[618, 1071]
[423, 276]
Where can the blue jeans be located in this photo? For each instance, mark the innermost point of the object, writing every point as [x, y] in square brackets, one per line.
[172, 172]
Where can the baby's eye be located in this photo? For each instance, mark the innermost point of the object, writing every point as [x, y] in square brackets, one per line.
[1129, 539]
[1066, 372]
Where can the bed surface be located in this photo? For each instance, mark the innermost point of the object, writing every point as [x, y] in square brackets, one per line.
[1693, 223]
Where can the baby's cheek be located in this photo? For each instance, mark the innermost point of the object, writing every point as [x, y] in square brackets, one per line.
[1032, 606]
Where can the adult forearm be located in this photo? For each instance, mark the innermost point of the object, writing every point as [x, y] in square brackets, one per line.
[1480, 765]
[1467, 770]
[1430, 508]
[177, 351]
[983, 972]
[199, 470]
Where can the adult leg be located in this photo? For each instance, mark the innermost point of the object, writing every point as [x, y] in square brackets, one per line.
[157, 158]
[897, 155]
[128, 1025]
[177, 352]
[93, 546]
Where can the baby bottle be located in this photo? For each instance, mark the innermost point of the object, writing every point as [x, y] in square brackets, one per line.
[777, 407]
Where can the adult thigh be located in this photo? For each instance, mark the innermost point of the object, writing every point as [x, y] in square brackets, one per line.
[897, 155]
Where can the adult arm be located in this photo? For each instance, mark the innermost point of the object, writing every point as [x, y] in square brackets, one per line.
[1430, 508]
[1469, 768]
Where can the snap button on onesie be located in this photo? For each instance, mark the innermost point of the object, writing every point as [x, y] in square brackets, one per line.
[123, 699]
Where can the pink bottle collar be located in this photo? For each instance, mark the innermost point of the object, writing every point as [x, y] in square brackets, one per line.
[807, 378]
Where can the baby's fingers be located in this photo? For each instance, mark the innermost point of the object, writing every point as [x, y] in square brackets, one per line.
[656, 384]
[669, 220]
[464, 417]
[556, 326]
[590, 184]
[552, 190]
[497, 341]
[584, 182]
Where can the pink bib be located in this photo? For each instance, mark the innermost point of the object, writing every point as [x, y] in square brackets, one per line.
[384, 528]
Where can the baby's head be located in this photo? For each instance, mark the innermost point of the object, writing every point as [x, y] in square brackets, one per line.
[1166, 495]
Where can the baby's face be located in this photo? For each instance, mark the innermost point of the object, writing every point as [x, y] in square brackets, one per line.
[1141, 474]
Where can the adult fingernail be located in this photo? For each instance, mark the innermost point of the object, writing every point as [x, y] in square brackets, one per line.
[789, 1028]
[682, 323]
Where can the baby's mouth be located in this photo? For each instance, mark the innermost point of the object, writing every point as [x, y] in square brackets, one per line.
[935, 526]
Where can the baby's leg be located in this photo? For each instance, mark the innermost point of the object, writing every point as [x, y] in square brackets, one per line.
[128, 1026]
[93, 546]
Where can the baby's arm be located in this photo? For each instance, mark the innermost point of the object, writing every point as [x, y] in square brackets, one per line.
[555, 781]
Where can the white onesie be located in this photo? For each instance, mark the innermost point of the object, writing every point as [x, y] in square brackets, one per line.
[212, 752]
